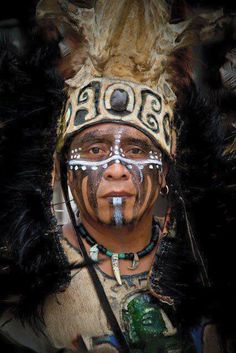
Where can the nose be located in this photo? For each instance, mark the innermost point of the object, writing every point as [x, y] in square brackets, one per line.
[116, 171]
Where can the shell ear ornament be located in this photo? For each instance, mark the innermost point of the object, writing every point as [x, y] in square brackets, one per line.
[164, 191]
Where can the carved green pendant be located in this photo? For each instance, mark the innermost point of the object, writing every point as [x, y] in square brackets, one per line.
[148, 328]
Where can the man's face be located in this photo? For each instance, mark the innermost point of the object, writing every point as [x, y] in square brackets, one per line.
[114, 173]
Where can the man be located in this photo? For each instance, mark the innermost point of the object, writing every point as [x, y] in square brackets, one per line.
[115, 174]
[117, 148]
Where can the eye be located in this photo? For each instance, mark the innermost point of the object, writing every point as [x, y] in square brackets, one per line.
[135, 150]
[95, 150]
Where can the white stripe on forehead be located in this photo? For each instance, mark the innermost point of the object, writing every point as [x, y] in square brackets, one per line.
[139, 162]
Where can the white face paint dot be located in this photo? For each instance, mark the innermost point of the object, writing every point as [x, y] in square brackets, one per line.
[105, 166]
[71, 167]
[123, 155]
[121, 149]
[76, 167]
[116, 148]
[72, 151]
[151, 166]
[116, 152]
[78, 156]
[157, 166]
[79, 148]
[117, 161]
[94, 168]
[83, 167]
[129, 166]
[152, 157]
[75, 149]
[110, 154]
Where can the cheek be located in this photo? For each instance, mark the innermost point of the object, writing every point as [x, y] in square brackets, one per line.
[153, 185]
[147, 184]
[87, 196]
[149, 190]
[77, 183]
[84, 186]
[94, 181]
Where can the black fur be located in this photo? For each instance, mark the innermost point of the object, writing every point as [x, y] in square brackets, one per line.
[32, 263]
[206, 180]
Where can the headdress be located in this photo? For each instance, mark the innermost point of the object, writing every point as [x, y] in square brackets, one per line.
[126, 72]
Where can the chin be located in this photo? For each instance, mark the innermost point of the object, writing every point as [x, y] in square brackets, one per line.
[113, 223]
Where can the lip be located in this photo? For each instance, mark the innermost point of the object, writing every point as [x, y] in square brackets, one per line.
[118, 194]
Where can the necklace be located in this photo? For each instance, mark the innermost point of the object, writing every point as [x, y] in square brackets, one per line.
[115, 257]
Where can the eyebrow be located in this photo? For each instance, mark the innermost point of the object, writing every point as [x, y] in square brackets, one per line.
[92, 137]
[138, 142]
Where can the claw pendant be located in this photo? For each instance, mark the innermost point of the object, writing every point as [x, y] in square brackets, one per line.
[115, 268]
[135, 262]
[94, 252]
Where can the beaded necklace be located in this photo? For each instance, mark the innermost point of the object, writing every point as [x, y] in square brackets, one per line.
[115, 257]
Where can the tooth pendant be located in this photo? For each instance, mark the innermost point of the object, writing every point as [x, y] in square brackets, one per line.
[93, 252]
[115, 268]
[135, 262]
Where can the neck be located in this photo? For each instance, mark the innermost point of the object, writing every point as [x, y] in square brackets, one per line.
[127, 238]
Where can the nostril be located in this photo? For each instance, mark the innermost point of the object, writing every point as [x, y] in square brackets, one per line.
[124, 176]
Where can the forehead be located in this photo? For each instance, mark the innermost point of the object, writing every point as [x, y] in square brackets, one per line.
[110, 132]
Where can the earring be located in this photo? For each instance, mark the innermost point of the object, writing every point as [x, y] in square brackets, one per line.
[164, 190]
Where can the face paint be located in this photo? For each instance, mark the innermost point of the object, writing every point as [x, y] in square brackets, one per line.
[115, 173]
[117, 204]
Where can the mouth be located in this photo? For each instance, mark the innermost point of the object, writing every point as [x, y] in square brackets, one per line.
[120, 193]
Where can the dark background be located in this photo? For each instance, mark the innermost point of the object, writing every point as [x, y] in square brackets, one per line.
[212, 56]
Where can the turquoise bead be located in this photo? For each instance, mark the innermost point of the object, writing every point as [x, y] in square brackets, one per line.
[109, 253]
